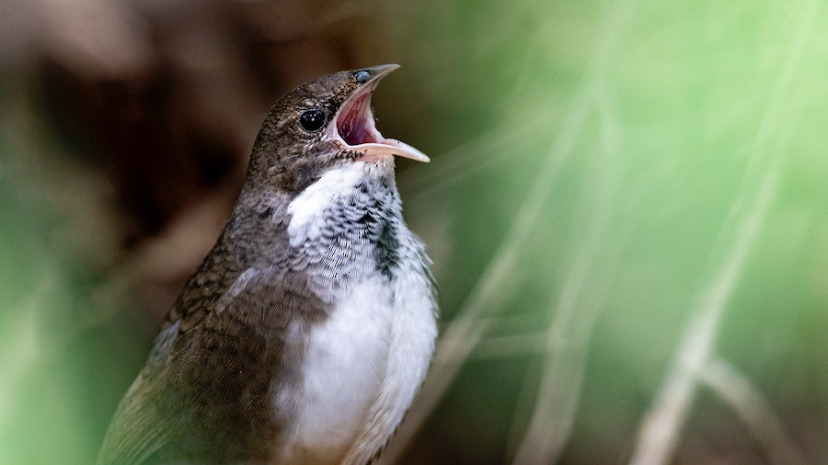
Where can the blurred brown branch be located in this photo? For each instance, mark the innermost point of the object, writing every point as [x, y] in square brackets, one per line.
[164, 99]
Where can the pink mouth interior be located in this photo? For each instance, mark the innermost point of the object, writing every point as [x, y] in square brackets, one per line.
[355, 122]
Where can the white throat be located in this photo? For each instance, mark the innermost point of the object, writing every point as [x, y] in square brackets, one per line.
[307, 210]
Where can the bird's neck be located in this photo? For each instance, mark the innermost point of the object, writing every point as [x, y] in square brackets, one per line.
[340, 229]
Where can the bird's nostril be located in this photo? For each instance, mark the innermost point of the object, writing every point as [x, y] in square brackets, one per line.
[362, 76]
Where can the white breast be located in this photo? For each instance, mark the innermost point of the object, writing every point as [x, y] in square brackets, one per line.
[364, 363]
[413, 330]
[342, 373]
[362, 369]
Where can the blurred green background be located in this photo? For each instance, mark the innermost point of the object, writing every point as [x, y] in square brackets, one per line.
[626, 209]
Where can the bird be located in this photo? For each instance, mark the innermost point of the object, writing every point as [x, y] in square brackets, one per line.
[306, 332]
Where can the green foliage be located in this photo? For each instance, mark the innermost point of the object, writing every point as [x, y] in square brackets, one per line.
[609, 155]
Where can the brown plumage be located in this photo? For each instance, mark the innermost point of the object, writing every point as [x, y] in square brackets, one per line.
[317, 223]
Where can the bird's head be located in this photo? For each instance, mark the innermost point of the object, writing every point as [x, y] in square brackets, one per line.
[324, 124]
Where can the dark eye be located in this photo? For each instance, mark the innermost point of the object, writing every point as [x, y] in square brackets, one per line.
[313, 120]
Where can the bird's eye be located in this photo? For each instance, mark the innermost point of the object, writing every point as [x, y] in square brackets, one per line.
[313, 120]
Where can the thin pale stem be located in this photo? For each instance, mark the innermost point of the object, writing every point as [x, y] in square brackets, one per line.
[576, 310]
[757, 414]
[661, 428]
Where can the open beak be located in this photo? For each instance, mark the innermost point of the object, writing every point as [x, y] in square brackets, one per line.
[355, 125]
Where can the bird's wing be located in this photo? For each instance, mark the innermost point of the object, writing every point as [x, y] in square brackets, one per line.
[137, 431]
[257, 308]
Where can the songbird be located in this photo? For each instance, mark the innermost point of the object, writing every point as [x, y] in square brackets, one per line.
[305, 334]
